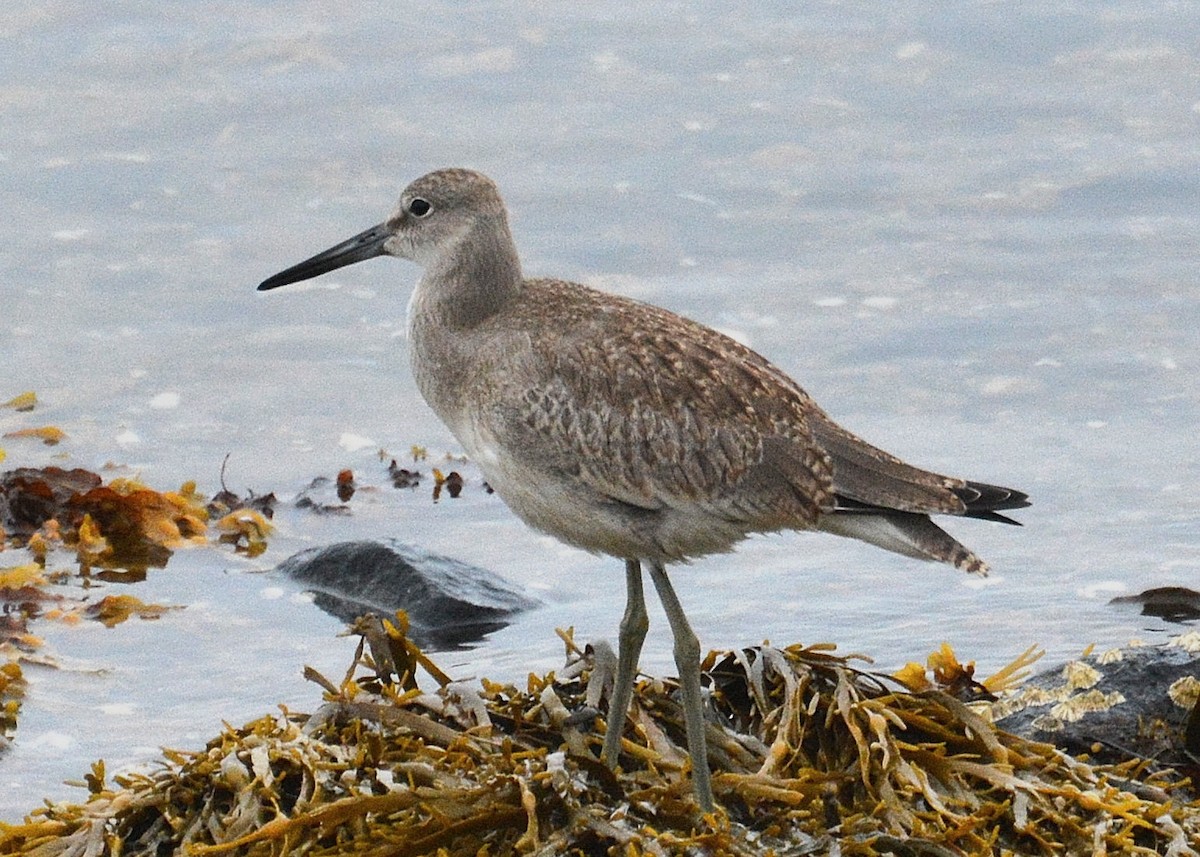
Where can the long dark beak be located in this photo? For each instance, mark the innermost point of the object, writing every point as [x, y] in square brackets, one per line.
[364, 245]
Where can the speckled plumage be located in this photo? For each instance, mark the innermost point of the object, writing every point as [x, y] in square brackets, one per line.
[632, 412]
[626, 429]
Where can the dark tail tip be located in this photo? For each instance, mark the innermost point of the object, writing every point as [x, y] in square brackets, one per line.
[984, 501]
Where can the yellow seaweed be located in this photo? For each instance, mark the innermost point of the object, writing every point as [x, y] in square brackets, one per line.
[817, 756]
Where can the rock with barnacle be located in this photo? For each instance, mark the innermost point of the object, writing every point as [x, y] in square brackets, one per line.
[1138, 702]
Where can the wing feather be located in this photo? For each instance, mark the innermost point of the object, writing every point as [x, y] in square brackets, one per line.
[657, 411]
[638, 406]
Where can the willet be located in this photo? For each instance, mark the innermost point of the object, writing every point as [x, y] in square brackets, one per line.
[627, 430]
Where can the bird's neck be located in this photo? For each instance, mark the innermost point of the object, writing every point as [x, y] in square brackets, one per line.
[465, 287]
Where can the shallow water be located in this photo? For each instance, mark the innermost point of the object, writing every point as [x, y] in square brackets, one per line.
[969, 230]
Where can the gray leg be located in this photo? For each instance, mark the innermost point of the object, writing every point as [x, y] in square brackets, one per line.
[687, 660]
[629, 646]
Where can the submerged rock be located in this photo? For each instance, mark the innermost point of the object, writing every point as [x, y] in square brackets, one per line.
[450, 604]
[1173, 603]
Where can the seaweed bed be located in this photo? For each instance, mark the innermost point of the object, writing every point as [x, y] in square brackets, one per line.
[812, 756]
[811, 753]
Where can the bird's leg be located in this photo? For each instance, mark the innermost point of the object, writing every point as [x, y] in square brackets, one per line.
[629, 645]
[687, 660]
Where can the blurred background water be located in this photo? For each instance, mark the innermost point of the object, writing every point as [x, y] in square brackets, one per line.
[969, 229]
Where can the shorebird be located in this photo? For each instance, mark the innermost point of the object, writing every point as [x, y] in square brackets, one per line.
[625, 429]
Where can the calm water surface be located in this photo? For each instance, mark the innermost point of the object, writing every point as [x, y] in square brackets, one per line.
[969, 230]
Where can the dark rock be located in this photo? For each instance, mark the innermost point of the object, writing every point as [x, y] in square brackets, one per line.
[450, 604]
[1173, 603]
[1113, 706]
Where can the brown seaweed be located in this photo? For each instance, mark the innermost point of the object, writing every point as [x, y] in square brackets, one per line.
[810, 754]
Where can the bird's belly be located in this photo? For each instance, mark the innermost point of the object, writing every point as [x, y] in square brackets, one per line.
[565, 506]
[557, 505]
[566, 514]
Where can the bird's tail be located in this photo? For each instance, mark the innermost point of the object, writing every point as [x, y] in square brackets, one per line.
[906, 533]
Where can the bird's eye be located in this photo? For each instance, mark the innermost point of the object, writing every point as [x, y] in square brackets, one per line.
[419, 207]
